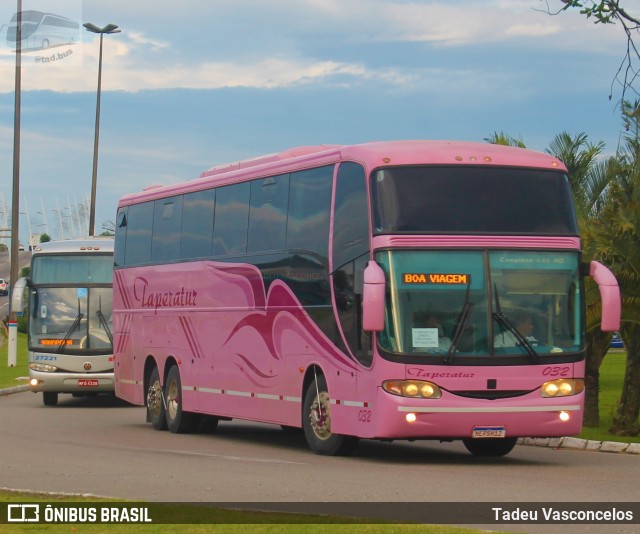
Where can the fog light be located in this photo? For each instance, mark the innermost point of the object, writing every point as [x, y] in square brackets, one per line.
[34, 382]
[411, 417]
[564, 416]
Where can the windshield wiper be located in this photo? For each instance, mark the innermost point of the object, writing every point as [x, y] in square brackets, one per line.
[103, 321]
[461, 325]
[74, 325]
[506, 324]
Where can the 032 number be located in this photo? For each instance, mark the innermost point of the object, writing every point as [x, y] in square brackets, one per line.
[364, 416]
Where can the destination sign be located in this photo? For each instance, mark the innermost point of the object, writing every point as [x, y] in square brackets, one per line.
[436, 278]
[56, 342]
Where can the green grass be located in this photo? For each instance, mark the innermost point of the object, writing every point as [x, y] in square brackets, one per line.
[611, 377]
[9, 375]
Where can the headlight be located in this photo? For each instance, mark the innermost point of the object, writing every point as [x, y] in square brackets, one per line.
[417, 389]
[562, 388]
[43, 367]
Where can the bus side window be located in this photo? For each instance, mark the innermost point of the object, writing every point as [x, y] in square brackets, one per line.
[350, 255]
[121, 237]
[231, 219]
[139, 224]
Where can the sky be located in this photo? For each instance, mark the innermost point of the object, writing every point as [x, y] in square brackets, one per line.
[197, 83]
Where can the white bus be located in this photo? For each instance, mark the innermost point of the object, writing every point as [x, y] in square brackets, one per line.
[41, 30]
[69, 317]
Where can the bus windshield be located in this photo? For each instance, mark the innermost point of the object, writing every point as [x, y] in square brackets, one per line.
[467, 199]
[468, 304]
[70, 304]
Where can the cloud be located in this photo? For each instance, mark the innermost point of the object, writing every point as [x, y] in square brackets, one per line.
[283, 45]
[141, 39]
[123, 70]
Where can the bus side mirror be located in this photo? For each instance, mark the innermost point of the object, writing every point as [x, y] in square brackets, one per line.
[609, 295]
[17, 296]
[373, 298]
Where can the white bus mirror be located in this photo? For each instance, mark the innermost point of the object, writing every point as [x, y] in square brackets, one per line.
[609, 295]
[17, 296]
[373, 298]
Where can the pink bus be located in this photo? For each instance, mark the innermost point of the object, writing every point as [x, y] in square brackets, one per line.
[393, 290]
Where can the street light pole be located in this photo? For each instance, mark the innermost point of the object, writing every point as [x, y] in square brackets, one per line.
[15, 197]
[109, 28]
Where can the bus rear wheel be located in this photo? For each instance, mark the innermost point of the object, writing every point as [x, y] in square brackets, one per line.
[178, 421]
[490, 446]
[49, 398]
[316, 421]
[155, 402]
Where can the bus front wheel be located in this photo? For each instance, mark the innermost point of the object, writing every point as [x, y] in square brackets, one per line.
[490, 446]
[316, 421]
[178, 421]
[156, 402]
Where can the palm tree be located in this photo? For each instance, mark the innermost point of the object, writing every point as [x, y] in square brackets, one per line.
[589, 177]
[615, 237]
[501, 138]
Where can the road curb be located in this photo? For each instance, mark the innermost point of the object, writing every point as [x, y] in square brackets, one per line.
[569, 443]
[582, 444]
[14, 389]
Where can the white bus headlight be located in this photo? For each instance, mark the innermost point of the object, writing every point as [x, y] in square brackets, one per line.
[563, 387]
[416, 389]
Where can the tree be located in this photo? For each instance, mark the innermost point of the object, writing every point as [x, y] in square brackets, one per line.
[45, 238]
[611, 12]
[616, 238]
[501, 138]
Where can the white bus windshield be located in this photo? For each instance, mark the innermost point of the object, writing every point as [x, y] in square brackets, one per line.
[71, 303]
[483, 303]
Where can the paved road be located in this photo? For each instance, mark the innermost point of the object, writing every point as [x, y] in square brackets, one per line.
[104, 447]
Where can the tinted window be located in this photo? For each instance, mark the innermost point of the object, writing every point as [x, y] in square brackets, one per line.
[309, 207]
[268, 213]
[472, 200]
[350, 247]
[139, 224]
[197, 224]
[72, 269]
[121, 237]
[351, 224]
[231, 219]
[167, 219]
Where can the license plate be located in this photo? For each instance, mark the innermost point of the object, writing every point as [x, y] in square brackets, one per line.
[87, 383]
[489, 432]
